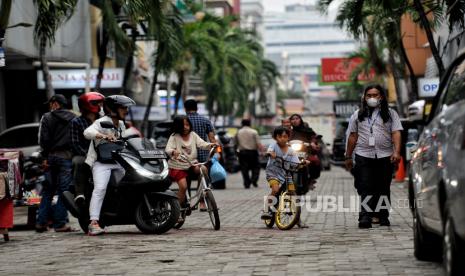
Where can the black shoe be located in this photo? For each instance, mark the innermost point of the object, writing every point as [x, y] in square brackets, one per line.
[384, 222]
[255, 185]
[247, 187]
[266, 216]
[364, 223]
[41, 228]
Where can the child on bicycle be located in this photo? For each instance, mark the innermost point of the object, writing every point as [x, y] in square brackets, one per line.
[275, 174]
[183, 141]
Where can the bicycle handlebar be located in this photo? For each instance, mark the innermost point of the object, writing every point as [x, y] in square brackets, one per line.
[210, 156]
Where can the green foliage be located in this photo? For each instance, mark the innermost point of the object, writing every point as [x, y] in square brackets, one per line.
[51, 15]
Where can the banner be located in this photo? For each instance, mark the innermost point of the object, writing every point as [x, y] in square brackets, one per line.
[339, 71]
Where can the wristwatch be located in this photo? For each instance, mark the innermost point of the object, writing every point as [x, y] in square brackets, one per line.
[348, 158]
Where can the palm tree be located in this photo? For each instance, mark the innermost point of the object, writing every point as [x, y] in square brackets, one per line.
[379, 22]
[164, 22]
[198, 54]
[112, 31]
[51, 15]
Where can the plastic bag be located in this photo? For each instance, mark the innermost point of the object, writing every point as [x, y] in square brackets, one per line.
[217, 172]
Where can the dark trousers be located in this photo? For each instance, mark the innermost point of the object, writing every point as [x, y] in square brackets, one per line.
[373, 183]
[81, 175]
[248, 160]
[59, 178]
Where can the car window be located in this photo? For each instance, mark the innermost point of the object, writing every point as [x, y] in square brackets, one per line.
[455, 90]
[19, 138]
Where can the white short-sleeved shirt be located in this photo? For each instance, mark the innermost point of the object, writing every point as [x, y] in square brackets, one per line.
[382, 132]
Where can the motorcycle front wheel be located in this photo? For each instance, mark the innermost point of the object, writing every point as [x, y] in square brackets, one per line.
[165, 213]
[288, 212]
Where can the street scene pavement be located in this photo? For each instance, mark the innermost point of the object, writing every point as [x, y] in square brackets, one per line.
[332, 245]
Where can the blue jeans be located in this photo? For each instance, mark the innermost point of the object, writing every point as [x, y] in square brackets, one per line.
[59, 178]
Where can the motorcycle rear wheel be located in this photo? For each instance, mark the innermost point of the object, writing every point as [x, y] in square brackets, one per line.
[166, 213]
[288, 212]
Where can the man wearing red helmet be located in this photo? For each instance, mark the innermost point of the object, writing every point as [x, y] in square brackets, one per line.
[90, 105]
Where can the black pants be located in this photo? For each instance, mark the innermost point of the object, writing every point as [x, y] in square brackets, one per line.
[248, 160]
[81, 175]
[373, 183]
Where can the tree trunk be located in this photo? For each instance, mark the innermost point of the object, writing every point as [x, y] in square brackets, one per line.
[45, 70]
[179, 88]
[395, 74]
[102, 57]
[429, 34]
[413, 79]
[145, 122]
[186, 87]
[373, 50]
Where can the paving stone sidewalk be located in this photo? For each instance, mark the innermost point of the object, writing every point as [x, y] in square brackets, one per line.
[332, 245]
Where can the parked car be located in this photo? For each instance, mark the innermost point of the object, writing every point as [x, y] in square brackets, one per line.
[23, 137]
[437, 183]
[161, 133]
[415, 110]
[324, 155]
[339, 143]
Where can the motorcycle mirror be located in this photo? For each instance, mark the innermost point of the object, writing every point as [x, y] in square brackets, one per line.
[107, 125]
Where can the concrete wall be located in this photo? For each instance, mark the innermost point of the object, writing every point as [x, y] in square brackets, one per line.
[72, 39]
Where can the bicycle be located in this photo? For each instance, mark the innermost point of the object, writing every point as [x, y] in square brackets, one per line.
[203, 192]
[286, 213]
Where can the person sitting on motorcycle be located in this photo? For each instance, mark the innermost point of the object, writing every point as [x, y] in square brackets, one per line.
[89, 105]
[183, 141]
[116, 107]
[301, 131]
[275, 174]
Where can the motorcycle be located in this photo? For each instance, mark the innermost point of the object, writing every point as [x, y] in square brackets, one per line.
[301, 178]
[141, 197]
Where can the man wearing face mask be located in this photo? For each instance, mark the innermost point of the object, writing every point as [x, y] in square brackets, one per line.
[375, 138]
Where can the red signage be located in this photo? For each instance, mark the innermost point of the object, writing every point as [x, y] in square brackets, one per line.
[339, 70]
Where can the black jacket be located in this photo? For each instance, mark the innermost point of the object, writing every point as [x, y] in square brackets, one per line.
[54, 132]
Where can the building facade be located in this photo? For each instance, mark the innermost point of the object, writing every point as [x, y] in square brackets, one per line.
[296, 40]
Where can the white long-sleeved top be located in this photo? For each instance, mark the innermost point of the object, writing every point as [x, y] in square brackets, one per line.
[187, 148]
[91, 132]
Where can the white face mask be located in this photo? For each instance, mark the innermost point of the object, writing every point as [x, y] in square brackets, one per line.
[372, 102]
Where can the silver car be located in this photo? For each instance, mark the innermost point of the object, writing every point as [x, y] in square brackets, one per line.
[437, 176]
[22, 137]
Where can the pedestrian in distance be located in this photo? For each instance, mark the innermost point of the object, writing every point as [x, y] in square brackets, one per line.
[201, 126]
[247, 143]
[90, 105]
[375, 138]
[55, 142]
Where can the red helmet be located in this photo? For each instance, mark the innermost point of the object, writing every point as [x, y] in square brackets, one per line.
[89, 102]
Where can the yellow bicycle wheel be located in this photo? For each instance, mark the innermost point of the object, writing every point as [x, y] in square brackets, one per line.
[288, 212]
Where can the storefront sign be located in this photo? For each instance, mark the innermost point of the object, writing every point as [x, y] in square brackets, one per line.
[428, 87]
[76, 78]
[345, 109]
[339, 70]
